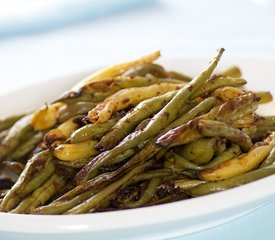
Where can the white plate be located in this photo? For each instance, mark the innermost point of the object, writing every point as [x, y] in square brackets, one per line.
[158, 222]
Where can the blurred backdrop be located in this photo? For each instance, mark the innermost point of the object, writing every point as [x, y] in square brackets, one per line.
[41, 39]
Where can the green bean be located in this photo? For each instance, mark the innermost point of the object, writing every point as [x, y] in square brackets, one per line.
[26, 147]
[176, 163]
[128, 194]
[231, 152]
[235, 109]
[3, 134]
[74, 164]
[269, 159]
[42, 194]
[58, 135]
[126, 98]
[184, 134]
[31, 178]
[101, 96]
[227, 93]
[127, 124]
[111, 86]
[74, 97]
[186, 184]
[152, 174]
[248, 121]
[47, 116]
[75, 151]
[201, 108]
[98, 91]
[73, 109]
[250, 131]
[166, 199]
[117, 70]
[61, 207]
[266, 124]
[160, 154]
[211, 187]
[220, 145]
[218, 82]
[144, 69]
[142, 124]
[15, 136]
[105, 203]
[210, 128]
[90, 131]
[123, 156]
[200, 151]
[94, 202]
[9, 121]
[15, 167]
[265, 97]
[147, 194]
[234, 72]
[177, 75]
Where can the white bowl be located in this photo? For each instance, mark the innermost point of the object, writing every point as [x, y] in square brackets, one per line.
[164, 221]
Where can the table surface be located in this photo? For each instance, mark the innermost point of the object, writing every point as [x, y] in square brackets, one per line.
[179, 29]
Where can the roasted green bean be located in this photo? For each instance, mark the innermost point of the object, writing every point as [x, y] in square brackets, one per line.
[269, 159]
[91, 131]
[146, 195]
[26, 147]
[126, 124]
[229, 153]
[232, 72]
[8, 122]
[211, 128]
[15, 135]
[31, 178]
[144, 69]
[15, 167]
[211, 187]
[200, 151]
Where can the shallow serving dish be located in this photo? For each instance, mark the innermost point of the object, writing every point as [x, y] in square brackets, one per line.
[157, 222]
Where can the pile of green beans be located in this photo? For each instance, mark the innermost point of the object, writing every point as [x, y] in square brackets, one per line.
[135, 135]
